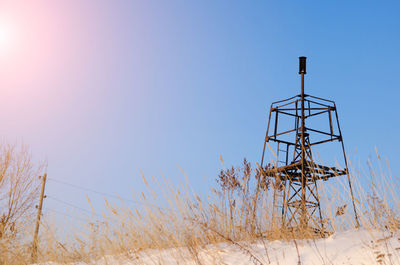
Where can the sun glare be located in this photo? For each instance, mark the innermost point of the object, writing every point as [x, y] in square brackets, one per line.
[7, 37]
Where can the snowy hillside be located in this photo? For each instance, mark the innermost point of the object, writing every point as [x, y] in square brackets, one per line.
[352, 247]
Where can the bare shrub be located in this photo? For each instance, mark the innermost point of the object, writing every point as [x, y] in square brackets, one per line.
[19, 191]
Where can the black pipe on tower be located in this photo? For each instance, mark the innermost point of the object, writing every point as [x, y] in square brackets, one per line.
[302, 65]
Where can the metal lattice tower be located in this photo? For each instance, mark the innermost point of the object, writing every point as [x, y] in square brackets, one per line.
[295, 174]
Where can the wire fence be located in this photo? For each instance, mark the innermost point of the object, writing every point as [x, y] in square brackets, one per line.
[67, 215]
[90, 214]
[104, 194]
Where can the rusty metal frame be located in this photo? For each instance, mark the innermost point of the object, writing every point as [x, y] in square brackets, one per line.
[300, 204]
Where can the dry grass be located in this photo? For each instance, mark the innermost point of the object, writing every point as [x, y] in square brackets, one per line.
[239, 210]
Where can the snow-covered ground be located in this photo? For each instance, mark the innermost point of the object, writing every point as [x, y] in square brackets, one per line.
[351, 247]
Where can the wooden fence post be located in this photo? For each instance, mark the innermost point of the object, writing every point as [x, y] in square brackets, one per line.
[39, 214]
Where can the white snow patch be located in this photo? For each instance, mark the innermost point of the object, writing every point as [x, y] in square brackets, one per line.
[351, 247]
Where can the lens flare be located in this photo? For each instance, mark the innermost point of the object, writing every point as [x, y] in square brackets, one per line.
[8, 37]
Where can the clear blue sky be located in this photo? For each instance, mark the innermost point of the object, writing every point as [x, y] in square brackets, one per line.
[106, 89]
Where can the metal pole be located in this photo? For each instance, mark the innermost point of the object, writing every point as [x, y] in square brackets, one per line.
[303, 177]
[347, 170]
[265, 139]
[302, 71]
[35, 236]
